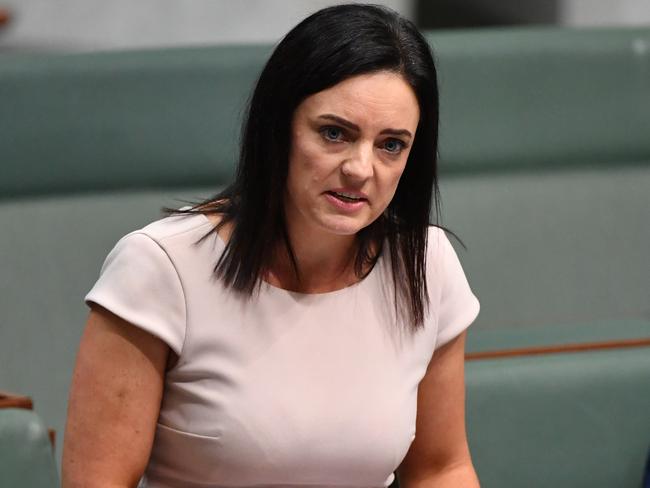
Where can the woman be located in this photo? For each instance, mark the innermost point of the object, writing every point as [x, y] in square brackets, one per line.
[306, 356]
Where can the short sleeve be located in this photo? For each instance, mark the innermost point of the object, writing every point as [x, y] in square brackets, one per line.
[458, 306]
[139, 283]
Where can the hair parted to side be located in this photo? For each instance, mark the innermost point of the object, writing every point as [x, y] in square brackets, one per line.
[324, 49]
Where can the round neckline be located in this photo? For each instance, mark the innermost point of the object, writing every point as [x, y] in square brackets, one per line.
[273, 288]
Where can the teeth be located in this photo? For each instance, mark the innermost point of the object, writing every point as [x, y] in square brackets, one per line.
[347, 195]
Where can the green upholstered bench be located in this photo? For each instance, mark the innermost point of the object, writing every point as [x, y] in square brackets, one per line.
[26, 455]
[561, 406]
[545, 166]
[26, 458]
[563, 419]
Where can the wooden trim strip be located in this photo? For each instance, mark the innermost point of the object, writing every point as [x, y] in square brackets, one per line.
[557, 349]
[52, 435]
[5, 17]
[11, 400]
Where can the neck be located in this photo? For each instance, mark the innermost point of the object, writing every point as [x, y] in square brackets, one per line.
[325, 262]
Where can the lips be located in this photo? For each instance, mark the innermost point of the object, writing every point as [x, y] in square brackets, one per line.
[346, 201]
[348, 196]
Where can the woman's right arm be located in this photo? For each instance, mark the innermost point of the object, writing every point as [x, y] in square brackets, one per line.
[114, 403]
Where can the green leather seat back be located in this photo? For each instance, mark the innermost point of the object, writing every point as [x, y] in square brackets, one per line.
[557, 247]
[529, 98]
[560, 420]
[26, 458]
[122, 119]
[535, 98]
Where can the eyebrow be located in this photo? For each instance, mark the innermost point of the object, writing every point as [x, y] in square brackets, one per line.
[350, 125]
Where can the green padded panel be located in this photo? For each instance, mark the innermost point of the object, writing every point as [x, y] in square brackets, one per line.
[554, 247]
[26, 459]
[510, 98]
[534, 97]
[135, 119]
[560, 420]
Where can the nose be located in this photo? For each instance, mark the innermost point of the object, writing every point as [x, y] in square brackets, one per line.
[359, 165]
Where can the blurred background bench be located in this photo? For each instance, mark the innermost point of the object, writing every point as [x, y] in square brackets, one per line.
[26, 446]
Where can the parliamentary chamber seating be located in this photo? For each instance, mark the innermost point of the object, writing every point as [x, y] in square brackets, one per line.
[545, 177]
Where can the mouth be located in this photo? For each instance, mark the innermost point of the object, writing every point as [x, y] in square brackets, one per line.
[347, 197]
[346, 202]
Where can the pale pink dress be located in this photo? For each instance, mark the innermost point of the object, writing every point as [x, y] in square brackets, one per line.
[284, 389]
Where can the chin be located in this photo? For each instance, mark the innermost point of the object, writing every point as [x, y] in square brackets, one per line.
[343, 226]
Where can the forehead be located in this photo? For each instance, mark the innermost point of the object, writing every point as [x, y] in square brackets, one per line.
[382, 99]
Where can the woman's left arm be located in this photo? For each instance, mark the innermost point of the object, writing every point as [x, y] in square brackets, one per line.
[439, 456]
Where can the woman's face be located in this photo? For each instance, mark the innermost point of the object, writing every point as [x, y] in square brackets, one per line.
[350, 144]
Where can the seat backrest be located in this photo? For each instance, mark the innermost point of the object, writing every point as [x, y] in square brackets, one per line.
[26, 458]
[519, 99]
[565, 419]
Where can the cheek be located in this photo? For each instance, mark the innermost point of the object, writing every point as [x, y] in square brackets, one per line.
[390, 180]
[302, 174]
[309, 164]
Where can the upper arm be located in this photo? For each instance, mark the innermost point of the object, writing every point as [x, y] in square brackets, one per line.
[114, 403]
[440, 442]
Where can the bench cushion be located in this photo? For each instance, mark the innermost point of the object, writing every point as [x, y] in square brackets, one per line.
[561, 420]
[26, 458]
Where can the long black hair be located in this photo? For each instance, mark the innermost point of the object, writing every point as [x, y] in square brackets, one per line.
[329, 46]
